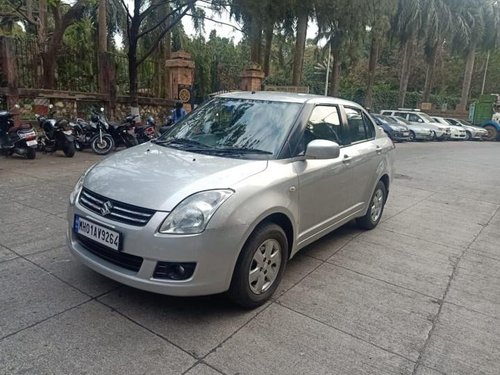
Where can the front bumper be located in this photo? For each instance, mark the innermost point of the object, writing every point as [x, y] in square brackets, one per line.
[214, 251]
[457, 136]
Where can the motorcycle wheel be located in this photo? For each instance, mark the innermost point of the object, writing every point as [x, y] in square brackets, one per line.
[104, 147]
[69, 149]
[30, 153]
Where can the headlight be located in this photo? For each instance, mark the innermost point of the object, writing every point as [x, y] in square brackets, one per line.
[192, 215]
[78, 187]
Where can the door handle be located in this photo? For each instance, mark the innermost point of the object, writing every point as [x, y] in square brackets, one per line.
[379, 150]
[347, 159]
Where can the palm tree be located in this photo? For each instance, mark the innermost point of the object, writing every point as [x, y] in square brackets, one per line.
[438, 23]
[408, 26]
[378, 15]
[480, 23]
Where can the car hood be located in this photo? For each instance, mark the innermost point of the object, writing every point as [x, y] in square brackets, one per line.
[157, 177]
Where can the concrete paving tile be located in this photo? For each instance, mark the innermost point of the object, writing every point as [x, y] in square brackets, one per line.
[476, 284]
[297, 268]
[464, 342]
[13, 212]
[202, 369]
[401, 197]
[49, 197]
[280, 341]
[6, 254]
[90, 339]
[411, 263]
[59, 262]
[474, 210]
[195, 324]
[29, 295]
[437, 222]
[325, 247]
[393, 318]
[34, 235]
[11, 179]
[422, 370]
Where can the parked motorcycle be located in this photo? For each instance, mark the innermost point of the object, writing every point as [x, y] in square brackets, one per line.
[123, 134]
[20, 139]
[57, 135]
[93, 134]
[146, 132]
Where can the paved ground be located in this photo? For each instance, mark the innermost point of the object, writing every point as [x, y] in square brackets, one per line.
[418, 295]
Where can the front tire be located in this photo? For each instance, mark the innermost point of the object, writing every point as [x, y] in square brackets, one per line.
[492, 133]
[102, 147]
[468, 136]
[376, 209]
[412, 136]
[69, 149]
[260, 266]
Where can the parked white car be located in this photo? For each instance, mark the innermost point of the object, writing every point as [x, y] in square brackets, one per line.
[471, 131]
[417, 132]
[457, 132]
[418, 118]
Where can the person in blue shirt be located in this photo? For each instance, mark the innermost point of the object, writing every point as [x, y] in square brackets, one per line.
[179, 112]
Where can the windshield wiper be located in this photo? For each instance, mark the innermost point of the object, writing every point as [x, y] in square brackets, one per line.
[181, 141]
[241, 150]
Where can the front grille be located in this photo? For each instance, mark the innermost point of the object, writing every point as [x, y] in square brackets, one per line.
[128, 261]
[119, 211]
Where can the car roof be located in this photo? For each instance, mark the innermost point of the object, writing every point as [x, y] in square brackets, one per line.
[276, 96]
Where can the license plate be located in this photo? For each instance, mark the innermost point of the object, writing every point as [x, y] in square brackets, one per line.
[97, 233]
[31, 143]
[405, 134]
[68, 132]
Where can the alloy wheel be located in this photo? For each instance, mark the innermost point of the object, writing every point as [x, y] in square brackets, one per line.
[377, 205]
[265, 266]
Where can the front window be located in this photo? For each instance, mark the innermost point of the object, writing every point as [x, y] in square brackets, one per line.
[235, 128]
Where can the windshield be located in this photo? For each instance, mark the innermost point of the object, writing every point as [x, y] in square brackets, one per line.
[426, 117]
[391, 120]
[401, 120]
[234, 126]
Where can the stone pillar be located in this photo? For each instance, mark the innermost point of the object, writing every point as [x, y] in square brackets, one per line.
[251, 78]
[180, 77]
[8, 71]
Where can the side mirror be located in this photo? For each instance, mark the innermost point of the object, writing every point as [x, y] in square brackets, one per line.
[322, 149]
[420, 120]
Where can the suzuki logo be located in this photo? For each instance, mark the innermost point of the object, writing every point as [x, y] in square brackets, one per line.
[106, 208]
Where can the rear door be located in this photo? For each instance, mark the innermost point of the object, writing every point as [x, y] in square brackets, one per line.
[365, 153]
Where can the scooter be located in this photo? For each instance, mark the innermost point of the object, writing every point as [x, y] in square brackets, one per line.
[20, 139]
[57, 135]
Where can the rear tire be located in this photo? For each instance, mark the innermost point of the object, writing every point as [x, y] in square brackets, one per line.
[30, 153]
[376, 208]
[69, 149]
[492, 133]
[260, 267]
[412, 136]
[104, 147]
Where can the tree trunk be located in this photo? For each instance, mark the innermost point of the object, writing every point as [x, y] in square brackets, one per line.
[255, 41]
[300, 45]
[469, 69]
[429, 74]
[335, 77]
[405, 70]
[372, 66]
[103, 27]
[267, 51]
[42, 39]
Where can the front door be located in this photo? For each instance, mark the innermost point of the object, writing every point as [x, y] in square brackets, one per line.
[324, 196]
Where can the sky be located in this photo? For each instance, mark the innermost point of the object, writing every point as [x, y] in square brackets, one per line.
[229, 31]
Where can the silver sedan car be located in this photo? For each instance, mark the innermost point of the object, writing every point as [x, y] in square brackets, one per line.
[222, 201]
